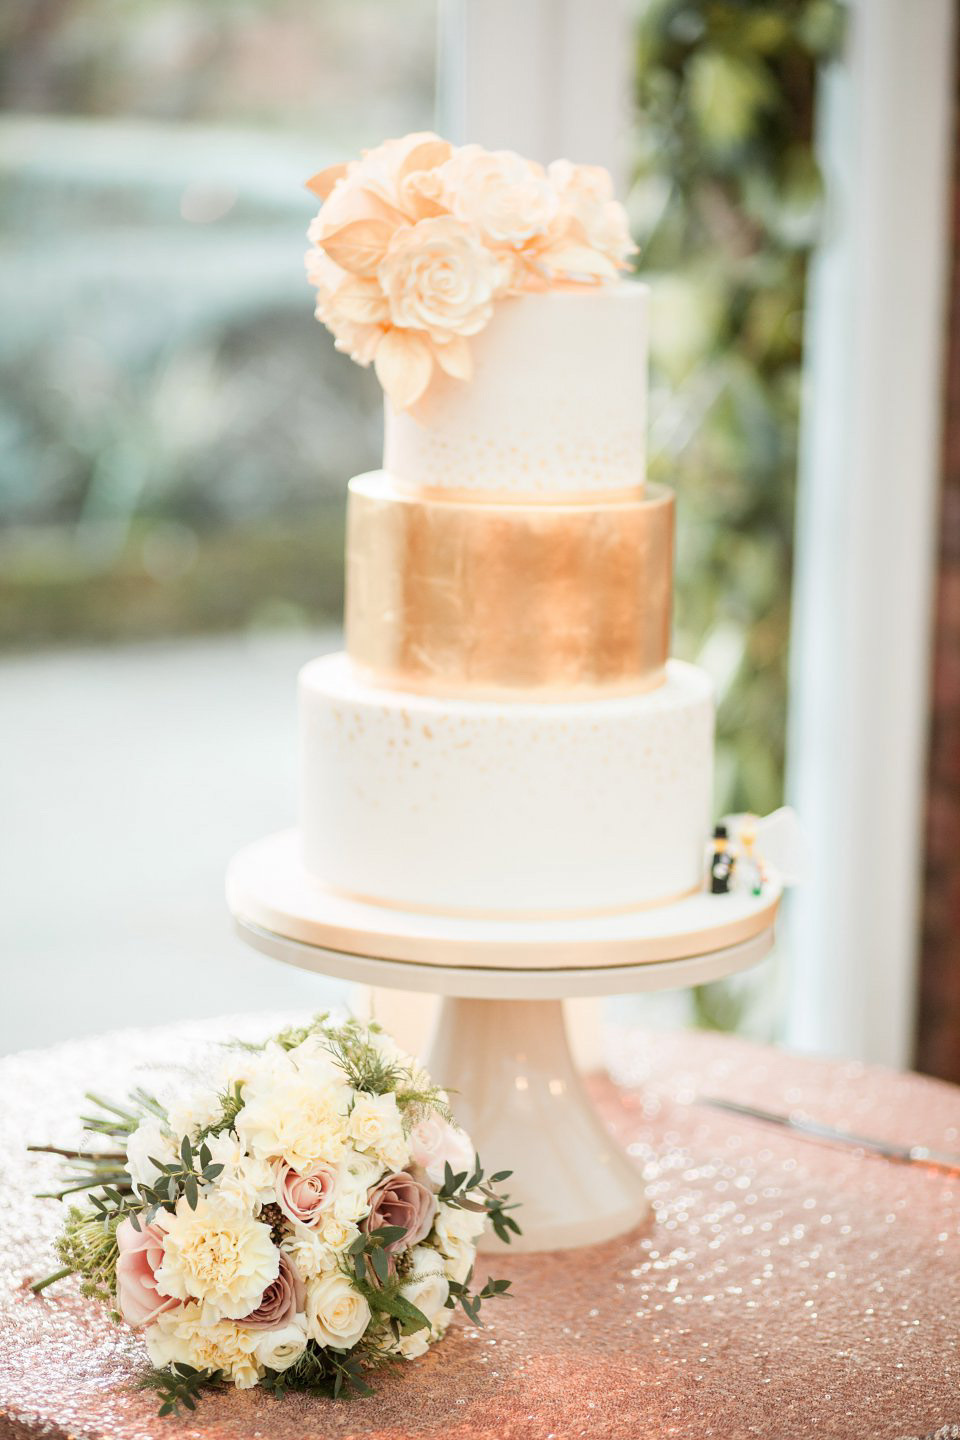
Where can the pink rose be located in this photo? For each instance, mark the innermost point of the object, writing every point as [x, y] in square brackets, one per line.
[304, 1198]
[281, 1300]
[141, 1255]
[435, 1143]
[399, 1199]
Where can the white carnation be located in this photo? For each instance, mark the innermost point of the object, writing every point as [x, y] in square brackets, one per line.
[248, 1182]
[149, 1139]
[217, 1255]
[309, 1251]
[314, 1252]
[337, 1314]
[279, 1349]
[376, 1125]
[293, 1117]
[183, 1336]
[311, 1057]
[191, 1113]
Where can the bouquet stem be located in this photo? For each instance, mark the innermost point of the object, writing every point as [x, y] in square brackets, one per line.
[39, 1285]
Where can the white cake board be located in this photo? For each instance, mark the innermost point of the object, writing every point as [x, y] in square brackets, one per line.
[500, 1042]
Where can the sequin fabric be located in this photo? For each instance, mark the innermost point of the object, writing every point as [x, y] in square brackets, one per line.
[781, 1288]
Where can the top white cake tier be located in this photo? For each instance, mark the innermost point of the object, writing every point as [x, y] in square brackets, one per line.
[556, 405]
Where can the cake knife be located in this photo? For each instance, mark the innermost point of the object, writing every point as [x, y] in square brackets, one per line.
[816, 1130]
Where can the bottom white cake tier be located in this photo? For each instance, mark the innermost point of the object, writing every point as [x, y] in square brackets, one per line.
[505, 808]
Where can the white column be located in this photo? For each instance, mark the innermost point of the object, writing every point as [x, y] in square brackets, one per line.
[547, 78]
[866, 530]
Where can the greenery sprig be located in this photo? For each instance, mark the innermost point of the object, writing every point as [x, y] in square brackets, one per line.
[471, 1302]
[180, 1385]
[95, 1168]
[460, 1190]
[183, 1176]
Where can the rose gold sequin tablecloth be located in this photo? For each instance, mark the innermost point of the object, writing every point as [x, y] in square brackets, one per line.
[781, 1289]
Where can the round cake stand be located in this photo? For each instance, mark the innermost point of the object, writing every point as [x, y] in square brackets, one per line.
[500, 1044]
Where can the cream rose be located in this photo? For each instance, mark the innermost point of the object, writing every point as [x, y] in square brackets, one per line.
[376, 1125]
[427, 1287]
[438, 278]
[281, 1348]
[338, 1234]
[337, 1314]
[508, 199]
[456, 1231]
[185, 1337]
[216, 1255]
[388, 170]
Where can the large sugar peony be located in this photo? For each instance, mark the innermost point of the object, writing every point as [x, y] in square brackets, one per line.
[509, 200]
[218, 1256]
[585, 194]
[298, 1118]
[185, 1337]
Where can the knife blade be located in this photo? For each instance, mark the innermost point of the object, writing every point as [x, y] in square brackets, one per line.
[810, 1129]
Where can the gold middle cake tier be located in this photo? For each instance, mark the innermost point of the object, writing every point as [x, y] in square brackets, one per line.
[500, 596]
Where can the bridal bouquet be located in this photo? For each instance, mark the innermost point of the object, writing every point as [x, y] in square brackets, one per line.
[308, 1218]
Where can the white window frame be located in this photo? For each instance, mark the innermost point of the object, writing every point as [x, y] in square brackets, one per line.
[866, 530]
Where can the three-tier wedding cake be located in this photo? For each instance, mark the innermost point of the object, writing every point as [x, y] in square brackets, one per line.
[505, 743]
[505, 732]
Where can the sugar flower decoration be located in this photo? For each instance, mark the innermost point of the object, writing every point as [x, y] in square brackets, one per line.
[417, 240]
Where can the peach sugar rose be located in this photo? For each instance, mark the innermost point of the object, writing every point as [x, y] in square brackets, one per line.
[417, 240]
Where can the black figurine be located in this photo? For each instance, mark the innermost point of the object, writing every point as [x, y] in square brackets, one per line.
[721, 866]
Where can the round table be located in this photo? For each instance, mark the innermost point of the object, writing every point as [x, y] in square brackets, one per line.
[500, 1043]
[777, 1288]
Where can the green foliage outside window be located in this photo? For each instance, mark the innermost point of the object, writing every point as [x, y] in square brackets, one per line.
[726, 207]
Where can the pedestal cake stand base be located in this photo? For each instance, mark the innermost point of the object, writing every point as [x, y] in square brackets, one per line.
[500, 1041]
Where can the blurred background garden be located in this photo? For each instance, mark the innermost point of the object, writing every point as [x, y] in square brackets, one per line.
[176, 431]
